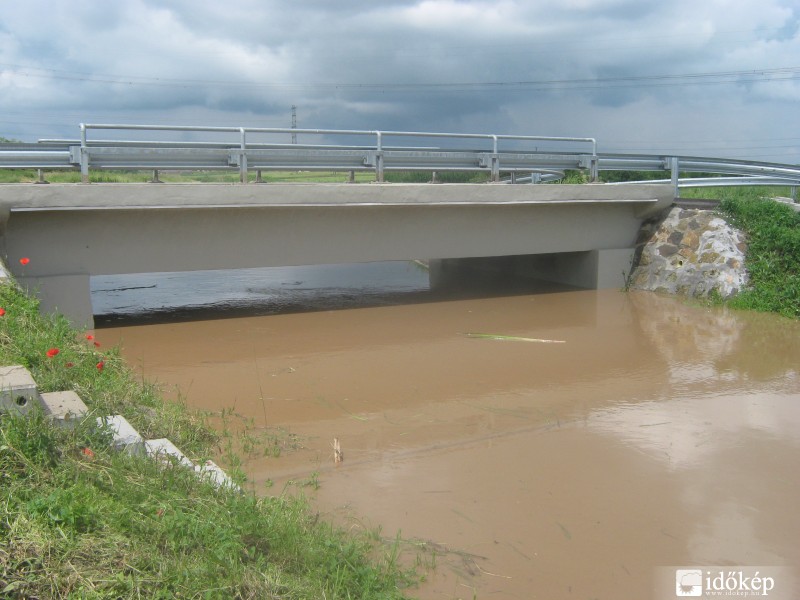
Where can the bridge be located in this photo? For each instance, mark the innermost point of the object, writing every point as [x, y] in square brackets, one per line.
[582, 235]
[73, 231]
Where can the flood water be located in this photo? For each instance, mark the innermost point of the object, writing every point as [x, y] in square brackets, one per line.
[634, 433]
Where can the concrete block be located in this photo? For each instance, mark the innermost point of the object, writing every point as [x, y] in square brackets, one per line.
[166, 452]
[64, 408]
[212, 472]
[17, 390]
[125, 436]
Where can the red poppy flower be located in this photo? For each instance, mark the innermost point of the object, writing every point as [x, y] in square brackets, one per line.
[89, 337]
[87, 452]
[52, 352]
[24, 260]
[97, 344]
[2, 312]
[100, 365]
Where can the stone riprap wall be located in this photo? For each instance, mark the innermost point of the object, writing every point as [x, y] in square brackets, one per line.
[689, 252]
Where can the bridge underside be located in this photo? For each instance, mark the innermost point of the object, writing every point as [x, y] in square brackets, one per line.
[593, 269]
[70, 238]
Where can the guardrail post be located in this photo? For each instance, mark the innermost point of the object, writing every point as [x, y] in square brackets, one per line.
[495, 161]
[593, 169]
[84, 156]
[793, 193]
[379, 158]
[674, 174]
[40, 174]
[243, 157]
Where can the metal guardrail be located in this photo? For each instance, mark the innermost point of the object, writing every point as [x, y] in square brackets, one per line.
[738, 172]
[521, 157]
[246, 154]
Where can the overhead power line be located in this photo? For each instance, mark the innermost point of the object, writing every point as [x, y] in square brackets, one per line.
[683, 79]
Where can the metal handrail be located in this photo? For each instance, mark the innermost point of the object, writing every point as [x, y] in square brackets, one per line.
[744, 172]
[527, 164]
[379, 162]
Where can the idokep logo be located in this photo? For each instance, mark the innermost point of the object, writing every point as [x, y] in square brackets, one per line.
[775, 583]
[688, 583]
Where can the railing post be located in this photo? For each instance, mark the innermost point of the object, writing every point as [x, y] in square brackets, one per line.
[495, 161]
[379, 158]
[40, 174]
[793, 193]
[594, 164]
[674, 175]
[243, 157]
[84, 156]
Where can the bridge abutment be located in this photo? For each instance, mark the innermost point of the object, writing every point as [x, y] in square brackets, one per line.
[592, 269]
[69, 295]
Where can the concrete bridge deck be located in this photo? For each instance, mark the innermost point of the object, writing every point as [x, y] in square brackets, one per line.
[73, 231]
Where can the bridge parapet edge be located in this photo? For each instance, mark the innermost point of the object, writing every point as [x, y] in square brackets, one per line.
[130, 196]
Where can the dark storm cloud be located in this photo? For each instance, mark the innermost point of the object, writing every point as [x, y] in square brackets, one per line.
[576, 67]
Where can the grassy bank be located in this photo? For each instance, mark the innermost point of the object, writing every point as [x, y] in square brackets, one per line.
[79, 520]
[773, 253]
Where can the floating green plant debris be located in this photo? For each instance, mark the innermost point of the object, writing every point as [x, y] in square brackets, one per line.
[512, 338]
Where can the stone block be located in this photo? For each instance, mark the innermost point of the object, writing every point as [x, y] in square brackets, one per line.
[18, 390]
[166, 452]
[64, 408]
[125, 436]
[212, 472]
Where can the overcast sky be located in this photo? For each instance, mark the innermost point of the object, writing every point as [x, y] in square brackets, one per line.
[701, 77]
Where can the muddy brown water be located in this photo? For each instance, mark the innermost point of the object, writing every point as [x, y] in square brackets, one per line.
[655, 434]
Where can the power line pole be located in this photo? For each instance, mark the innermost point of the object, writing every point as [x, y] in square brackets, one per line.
[294, 123]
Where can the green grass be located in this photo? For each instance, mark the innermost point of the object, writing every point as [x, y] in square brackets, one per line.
[31, 176]
[25, 338]
[773, 253]
[102, 524]
[736, 193]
